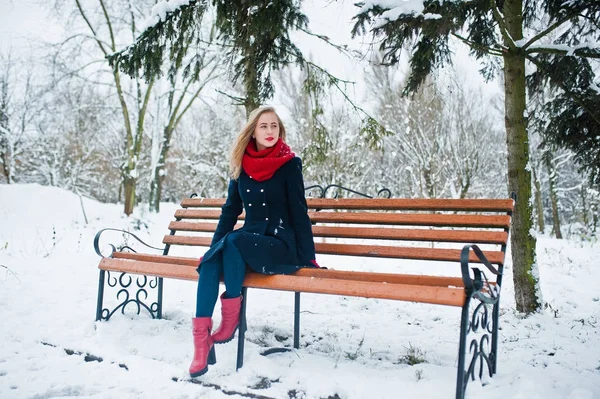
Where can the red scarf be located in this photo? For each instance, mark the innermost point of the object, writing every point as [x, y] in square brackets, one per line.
[261, 165]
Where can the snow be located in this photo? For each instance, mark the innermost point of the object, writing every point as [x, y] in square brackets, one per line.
[397, 8]
[570, 50]
[160, 10]
[349, 346]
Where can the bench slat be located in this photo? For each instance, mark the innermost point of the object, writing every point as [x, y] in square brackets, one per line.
[474, 205]
[428, 294]
[168, 259]
[425, 219]
[412, 279]
[403, 292]
[377, 251]
[465, 236]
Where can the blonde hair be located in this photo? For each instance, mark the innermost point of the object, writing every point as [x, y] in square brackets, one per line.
[243, 138]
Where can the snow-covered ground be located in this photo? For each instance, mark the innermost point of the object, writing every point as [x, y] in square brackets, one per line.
[350, 347]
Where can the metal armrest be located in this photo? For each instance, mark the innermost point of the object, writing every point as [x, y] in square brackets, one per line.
[114, 249]
[480, 280]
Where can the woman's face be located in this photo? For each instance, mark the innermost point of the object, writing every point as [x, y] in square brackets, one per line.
[266, 131]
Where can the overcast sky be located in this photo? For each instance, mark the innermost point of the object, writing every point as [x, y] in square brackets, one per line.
[23, 23]
[26, 23]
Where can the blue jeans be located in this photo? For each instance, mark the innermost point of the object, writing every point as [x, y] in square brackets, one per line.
[229, 264]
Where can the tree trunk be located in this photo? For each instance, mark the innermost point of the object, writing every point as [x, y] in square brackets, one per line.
[538, 202]
[129, 184]
[155, 190]
[594, 219]
[465, 185]
[5, 168]
[158, 174]
[252, 100]
[525, 273]
[584, 208]
[553, 196]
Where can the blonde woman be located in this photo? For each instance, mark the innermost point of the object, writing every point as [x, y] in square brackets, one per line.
[266, 182]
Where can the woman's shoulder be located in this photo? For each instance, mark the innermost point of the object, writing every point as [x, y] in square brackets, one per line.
[295, 162]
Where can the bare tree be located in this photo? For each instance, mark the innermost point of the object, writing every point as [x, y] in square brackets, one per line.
[18, 101]
[445, 142]
[178, 101]
[101, 28]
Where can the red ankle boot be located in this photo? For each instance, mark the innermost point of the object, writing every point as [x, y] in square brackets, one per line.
[230, 319]
[204, 349]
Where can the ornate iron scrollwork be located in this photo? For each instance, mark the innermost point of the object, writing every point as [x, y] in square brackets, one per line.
[383, 190]
[479, 328]
[114, 249]
[479, 331]
[314, 186]
[130, 294]
[131, 291]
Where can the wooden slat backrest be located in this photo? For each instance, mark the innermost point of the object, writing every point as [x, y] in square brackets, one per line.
[379, 218]
[354, 224]
[371, 251]
[470, 236]
[396, 204]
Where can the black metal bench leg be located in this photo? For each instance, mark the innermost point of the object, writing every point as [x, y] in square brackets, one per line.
[242, 329]
[494, 351]
[477, 329]
[297, 320]
[159, 298]
[461, 382]
[100, 295]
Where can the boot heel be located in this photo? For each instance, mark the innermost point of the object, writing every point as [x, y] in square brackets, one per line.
[212, 356]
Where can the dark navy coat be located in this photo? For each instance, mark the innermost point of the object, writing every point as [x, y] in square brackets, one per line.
[276, 237]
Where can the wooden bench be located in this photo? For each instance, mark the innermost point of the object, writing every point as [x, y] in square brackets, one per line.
[438, 230]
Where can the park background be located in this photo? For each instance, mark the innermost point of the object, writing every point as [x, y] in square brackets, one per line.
[63, 160]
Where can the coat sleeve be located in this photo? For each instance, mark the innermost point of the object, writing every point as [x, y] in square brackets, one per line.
[229, 212]
[298, 211]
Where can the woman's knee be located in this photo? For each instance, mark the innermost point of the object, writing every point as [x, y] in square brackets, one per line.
[229, 241]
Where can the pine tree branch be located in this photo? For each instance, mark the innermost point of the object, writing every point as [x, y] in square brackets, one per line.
[238, 100]
[564, 88]
[371, 123]
[592, 20]
[324, 71]
[502, 25]
[546, 31]
[341, 48]
[487, 50]
[576, 51]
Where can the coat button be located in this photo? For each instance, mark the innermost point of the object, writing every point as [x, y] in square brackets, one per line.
[247, 190]
[249, 204]
[266, 218]
[262, 190]
[264, 204]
